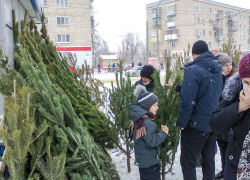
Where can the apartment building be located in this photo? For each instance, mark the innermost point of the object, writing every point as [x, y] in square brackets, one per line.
[180, 22]
[70, 24]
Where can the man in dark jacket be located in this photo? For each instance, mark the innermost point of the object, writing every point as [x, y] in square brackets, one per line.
[201, 90]
[146, 78]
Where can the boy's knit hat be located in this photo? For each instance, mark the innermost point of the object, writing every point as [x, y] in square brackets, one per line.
[145, 99]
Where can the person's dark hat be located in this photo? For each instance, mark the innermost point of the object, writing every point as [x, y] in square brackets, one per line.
[186, 65]
[244, 67]
[200, 47]
[147, 71]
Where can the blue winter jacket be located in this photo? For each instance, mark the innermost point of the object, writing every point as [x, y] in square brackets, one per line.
[147, 148]
[200, 93]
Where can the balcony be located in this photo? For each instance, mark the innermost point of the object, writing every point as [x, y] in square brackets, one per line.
[171, 37]
[171, 13]
[217, 26]
[219, 16]
[219, 38]
[171, 24]
[234, 28]
[153, 36]
[34, 8]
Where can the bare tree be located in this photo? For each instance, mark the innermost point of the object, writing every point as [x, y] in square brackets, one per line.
[132, 49]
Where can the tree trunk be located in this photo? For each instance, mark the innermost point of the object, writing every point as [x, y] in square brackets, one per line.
[163, 171]
[128, 155]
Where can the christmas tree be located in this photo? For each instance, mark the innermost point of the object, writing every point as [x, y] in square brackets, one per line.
[169, 106]
[60, 146]
[232, 51]
[120, 97]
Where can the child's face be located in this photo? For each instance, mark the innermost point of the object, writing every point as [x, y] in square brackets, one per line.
[154, 108]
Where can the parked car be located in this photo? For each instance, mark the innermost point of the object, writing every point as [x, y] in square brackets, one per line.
[128, 68]
[134, 72]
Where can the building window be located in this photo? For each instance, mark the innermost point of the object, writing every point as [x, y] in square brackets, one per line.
[62, 3]
[240, 17]
[171, 19]
[210, 10]
[215, 11]
[210, 33]
[215, 45]
[62, 21]
[244, 36]
[153, 33]
[240, 36]
[204, 32]
[45, 3]
[196, 8]
[244, 17]
[63, 38]
[221, 45]
[244, 26]
[46, 21]
[240, 26]
[197, 20]
[210, 44]
[172, 44]
[203, 21]
[197, 32]
[225, 35]
[170, 7]
[203, 9]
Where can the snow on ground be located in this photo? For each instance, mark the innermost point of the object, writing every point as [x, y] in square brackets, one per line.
[120, 161]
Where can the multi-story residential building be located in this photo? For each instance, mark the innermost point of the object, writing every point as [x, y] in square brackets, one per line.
[70, 24]
[185, 21]
[34, 9]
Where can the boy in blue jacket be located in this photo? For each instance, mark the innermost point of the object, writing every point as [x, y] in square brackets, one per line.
[144, 132]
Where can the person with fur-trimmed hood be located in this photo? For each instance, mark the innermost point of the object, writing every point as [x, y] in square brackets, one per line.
[234, 112]
[146, 78]
[144, 132]
[223, 139]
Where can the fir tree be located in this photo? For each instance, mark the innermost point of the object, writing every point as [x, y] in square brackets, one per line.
[232, 51]
[43, 30]
[15, 27]
[120, 97]
[169, 106]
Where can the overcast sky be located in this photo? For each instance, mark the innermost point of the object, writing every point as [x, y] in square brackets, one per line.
[117, 17]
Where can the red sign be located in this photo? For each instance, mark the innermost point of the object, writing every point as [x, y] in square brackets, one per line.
[73, 49]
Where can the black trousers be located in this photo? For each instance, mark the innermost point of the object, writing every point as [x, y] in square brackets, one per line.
[223, 148]
[150, 173]
[194, 143]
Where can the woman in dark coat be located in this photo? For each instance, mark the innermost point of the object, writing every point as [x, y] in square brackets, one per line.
[234, 112]
[223, 139]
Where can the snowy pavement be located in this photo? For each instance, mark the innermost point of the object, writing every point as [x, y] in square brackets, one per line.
[120, 161]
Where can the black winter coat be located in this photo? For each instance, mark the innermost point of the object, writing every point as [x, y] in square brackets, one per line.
[227, 117]
[149, 87]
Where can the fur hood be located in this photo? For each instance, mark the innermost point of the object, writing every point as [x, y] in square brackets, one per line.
[232, 87]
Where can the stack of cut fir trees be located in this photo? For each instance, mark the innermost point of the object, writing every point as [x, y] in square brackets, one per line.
[52, 128]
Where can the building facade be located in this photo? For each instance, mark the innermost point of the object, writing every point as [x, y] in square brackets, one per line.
[183, 22]
[34, 9]
[70, 25]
